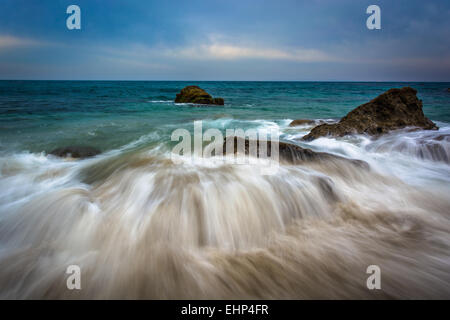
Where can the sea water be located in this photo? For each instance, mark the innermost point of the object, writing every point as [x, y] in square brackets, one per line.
[140, 225]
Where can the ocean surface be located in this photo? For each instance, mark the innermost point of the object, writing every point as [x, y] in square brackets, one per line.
[141, 226]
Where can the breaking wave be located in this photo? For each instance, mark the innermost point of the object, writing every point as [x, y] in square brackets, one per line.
[141, 226]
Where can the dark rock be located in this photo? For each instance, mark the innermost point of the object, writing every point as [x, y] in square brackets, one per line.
[442, 137]
[301, 122]
[79, 152]
[292, 153]
[195, 94]
[394, 109]
[219, 101]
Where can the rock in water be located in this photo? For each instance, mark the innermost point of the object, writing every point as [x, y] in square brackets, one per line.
[195, 94]
[78, 152]
[290, 153]
[394, 109]
[301, 122]
[219, 101]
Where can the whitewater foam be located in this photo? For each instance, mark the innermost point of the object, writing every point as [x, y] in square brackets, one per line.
[141, 226]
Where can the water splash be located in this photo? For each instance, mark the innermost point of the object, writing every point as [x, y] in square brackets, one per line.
[140, 226]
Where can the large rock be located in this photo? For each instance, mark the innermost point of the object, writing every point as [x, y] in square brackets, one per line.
[394, 109]
[195, 94]
[292, 153]
[78, 152]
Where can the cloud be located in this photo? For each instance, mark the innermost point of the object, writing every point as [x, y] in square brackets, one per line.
[7, 41]
[217, 51]
[208, 51]
[141, 64]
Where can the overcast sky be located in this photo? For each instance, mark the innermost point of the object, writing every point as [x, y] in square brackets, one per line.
[225, 40]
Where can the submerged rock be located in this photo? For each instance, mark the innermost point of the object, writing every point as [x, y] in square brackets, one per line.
[77, 152]
[301, 122]
[394, 109]
[429, 146]
[195, 94]
[292, 153]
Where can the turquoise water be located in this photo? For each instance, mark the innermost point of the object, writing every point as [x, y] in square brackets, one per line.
[37, 116]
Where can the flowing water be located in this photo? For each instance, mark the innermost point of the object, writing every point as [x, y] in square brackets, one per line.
[140, 225]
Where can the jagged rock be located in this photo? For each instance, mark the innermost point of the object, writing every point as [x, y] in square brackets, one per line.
[301, 122]
[292, 153]
[78, 152]
[195, 94]
[394, 109]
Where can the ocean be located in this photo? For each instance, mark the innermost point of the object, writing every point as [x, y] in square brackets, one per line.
[141, 226]
[36, 116]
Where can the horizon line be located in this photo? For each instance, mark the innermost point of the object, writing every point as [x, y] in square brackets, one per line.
[140, 80]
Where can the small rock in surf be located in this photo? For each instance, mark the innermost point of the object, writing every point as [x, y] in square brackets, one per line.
[77, 152]
[301, 122]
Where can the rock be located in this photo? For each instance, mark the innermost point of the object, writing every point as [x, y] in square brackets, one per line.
[78, 152]
[442, 137]
[301, 122]
[394, 109]
[195, 94]
[294, 154]
[219, 101]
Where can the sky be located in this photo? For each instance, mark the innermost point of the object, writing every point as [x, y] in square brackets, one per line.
[293, 40]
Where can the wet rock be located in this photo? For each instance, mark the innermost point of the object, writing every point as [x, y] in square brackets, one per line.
[292, 153]
[326, 186]
[219, 101]
[77, 152]
[394, 109]
[429, 146]
[195, 94]
[301, 122]
[442, 137]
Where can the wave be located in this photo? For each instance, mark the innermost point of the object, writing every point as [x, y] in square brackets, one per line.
[141, 226]
[160, 101]
[434, 146]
